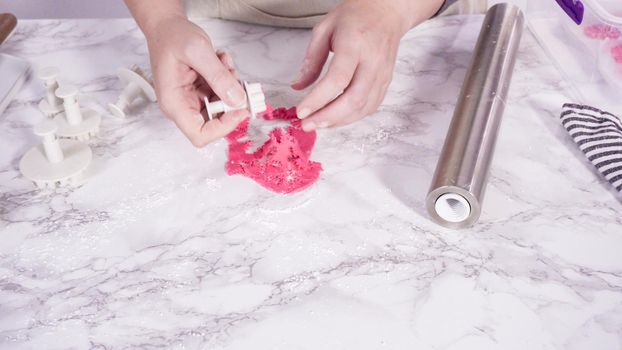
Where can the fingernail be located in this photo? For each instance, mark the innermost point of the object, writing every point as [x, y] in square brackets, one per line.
[236, 96]
[322, 125]
[310, 126]
[303, 113]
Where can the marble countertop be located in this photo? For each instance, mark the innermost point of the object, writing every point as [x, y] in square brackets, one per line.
[161, 249]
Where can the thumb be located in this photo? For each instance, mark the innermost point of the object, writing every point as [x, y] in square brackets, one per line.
[222, 126]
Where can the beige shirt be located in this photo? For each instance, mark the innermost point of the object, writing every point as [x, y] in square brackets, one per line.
[281, 13]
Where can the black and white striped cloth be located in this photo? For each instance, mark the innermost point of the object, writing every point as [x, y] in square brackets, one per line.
[599, 135]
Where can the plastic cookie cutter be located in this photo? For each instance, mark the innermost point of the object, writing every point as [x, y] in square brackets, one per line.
[255, 102]
[51, 104]
[56, 162]
[75, 122]
[137, 85]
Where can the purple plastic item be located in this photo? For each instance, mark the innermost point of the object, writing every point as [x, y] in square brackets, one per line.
[573, 8]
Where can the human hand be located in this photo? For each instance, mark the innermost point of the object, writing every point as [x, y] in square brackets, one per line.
[364, 36]
[185, 69]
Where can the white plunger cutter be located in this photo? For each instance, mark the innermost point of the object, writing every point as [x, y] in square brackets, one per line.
[255, 102]
[137, 85]
[56, 162]
[75, 122]
[50, 105]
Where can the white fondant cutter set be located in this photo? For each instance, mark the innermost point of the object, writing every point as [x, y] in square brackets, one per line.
[63, 156]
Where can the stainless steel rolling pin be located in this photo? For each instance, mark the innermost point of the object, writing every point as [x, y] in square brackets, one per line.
[457, 190]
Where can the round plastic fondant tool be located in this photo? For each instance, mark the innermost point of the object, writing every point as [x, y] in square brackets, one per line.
[75, 122]
[137, 85]
[51, 104]
[452, 207]
[461, 177]
[255, 102]
[55, 162]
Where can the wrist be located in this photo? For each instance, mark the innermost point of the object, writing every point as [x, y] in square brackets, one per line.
[418, 11]
[154, 25]
[406, 14]
[150, 17]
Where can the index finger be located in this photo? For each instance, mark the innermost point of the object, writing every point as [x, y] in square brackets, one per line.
[222, 81]
[191, 123]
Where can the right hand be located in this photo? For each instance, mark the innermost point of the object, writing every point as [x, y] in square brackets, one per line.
[185, 69]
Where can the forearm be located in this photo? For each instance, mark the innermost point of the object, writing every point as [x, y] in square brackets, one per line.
[148, 15]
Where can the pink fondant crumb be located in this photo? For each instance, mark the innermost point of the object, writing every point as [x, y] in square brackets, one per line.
[602, 31]
[282, 163]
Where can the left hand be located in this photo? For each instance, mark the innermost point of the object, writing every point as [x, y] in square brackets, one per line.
[364, 36]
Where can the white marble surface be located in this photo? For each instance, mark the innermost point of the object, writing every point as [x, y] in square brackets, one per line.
[161, 249]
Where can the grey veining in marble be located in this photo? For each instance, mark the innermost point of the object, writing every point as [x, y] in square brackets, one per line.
[161, 249]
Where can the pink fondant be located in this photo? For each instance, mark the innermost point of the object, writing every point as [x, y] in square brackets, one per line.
[282, 163]
[602, 31]
[616, 51]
